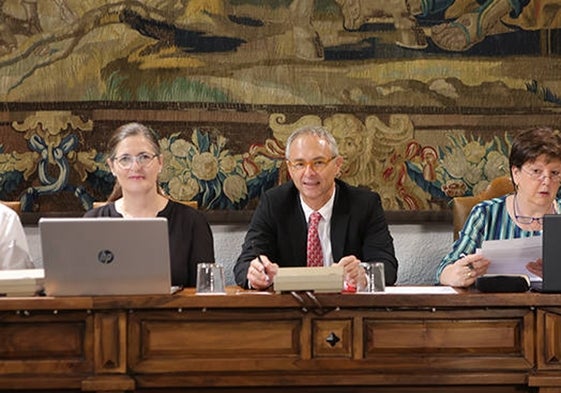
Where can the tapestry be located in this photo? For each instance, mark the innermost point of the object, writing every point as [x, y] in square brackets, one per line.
[423, 96]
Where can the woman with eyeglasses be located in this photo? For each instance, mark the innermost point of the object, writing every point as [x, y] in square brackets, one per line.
[535, 169]
[135, 160]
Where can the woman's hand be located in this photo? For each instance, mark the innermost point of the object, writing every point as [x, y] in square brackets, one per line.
[464, 271]
[536, 267]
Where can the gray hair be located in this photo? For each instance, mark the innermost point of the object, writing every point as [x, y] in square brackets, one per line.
[319, 131]
[133, 129]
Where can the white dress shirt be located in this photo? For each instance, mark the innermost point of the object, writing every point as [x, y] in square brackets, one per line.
[324, 227]
[14, 250]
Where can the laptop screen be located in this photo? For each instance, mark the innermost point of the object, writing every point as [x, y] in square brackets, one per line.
[105, 256]
[551, 253]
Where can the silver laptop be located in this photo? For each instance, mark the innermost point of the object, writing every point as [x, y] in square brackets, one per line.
[105, 256]
[551, 254]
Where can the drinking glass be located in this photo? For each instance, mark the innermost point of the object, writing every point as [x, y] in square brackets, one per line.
[210, 279]
[376, 281]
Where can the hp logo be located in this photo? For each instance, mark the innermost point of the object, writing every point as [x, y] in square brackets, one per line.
[105, 256]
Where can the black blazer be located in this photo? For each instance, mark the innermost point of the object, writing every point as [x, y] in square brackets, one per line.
[278, 229]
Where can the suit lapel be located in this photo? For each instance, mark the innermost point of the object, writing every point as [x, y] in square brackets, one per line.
[300, 239]
[298, 231]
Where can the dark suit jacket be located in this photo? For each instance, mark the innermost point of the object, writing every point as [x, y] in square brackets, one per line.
[278, 229]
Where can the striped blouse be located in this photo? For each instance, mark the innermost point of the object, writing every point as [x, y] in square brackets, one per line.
[488, 220]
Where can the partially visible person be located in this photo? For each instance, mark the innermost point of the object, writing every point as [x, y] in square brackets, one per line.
[352, 227]
[535, 169]
[135, 160]
[14, 250]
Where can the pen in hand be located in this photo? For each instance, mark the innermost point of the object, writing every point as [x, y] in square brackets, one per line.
[260, 261]
[264, 269]
[469, 265]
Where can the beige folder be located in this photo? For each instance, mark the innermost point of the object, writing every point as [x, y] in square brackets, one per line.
[316, 279]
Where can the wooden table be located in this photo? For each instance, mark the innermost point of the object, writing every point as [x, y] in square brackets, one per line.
[253, 342]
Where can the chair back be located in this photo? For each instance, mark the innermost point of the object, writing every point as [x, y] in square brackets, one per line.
[98, 204]
[14, 205]
[193, 204]
[461, 206]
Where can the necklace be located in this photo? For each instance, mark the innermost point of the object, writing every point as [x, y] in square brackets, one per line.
[527, 220]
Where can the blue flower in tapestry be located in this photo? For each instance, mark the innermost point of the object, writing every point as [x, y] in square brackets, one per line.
[207, 172]
[55, 156]
[13, 168]
[465, 166]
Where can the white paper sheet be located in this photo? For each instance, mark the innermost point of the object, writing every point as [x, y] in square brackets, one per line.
[409, 290]
[511, 256]
[425, 290]
[414, 290]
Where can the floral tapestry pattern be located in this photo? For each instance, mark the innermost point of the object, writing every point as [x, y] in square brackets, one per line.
[209, 173]
[423, 97]
[62, 164]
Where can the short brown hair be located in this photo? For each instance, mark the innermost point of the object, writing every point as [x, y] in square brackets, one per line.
[528, 145]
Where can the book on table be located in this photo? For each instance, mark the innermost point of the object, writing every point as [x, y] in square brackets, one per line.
[21, 282]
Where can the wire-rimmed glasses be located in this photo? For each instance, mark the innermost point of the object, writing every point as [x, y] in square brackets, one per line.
[318, 165]
[126, 161]
[539, 175]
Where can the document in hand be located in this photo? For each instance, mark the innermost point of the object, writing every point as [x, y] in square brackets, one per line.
[510, 256]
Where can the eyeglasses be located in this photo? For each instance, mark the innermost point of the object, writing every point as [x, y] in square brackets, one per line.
[526, 220]
[126, 161]
[317, 165]
[539, 175]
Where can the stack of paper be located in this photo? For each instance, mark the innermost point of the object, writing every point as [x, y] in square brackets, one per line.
[511, 256]
[24, 282]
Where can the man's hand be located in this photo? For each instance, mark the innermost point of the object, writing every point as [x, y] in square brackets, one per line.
[261, 272]
[354, 273]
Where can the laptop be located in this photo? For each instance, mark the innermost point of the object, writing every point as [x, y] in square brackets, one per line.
[105, 256]
[551, 255]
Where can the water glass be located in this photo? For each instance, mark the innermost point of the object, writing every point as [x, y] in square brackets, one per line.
[376, 281]
[210, 279]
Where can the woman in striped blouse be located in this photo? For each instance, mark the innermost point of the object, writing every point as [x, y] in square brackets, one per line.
[535, 169]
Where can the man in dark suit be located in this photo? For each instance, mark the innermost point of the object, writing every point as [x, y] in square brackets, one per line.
[352, 228]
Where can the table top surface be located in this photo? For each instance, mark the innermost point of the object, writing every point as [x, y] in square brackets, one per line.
[236, 297]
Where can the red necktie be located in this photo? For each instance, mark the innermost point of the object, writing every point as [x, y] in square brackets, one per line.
[315, 255]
